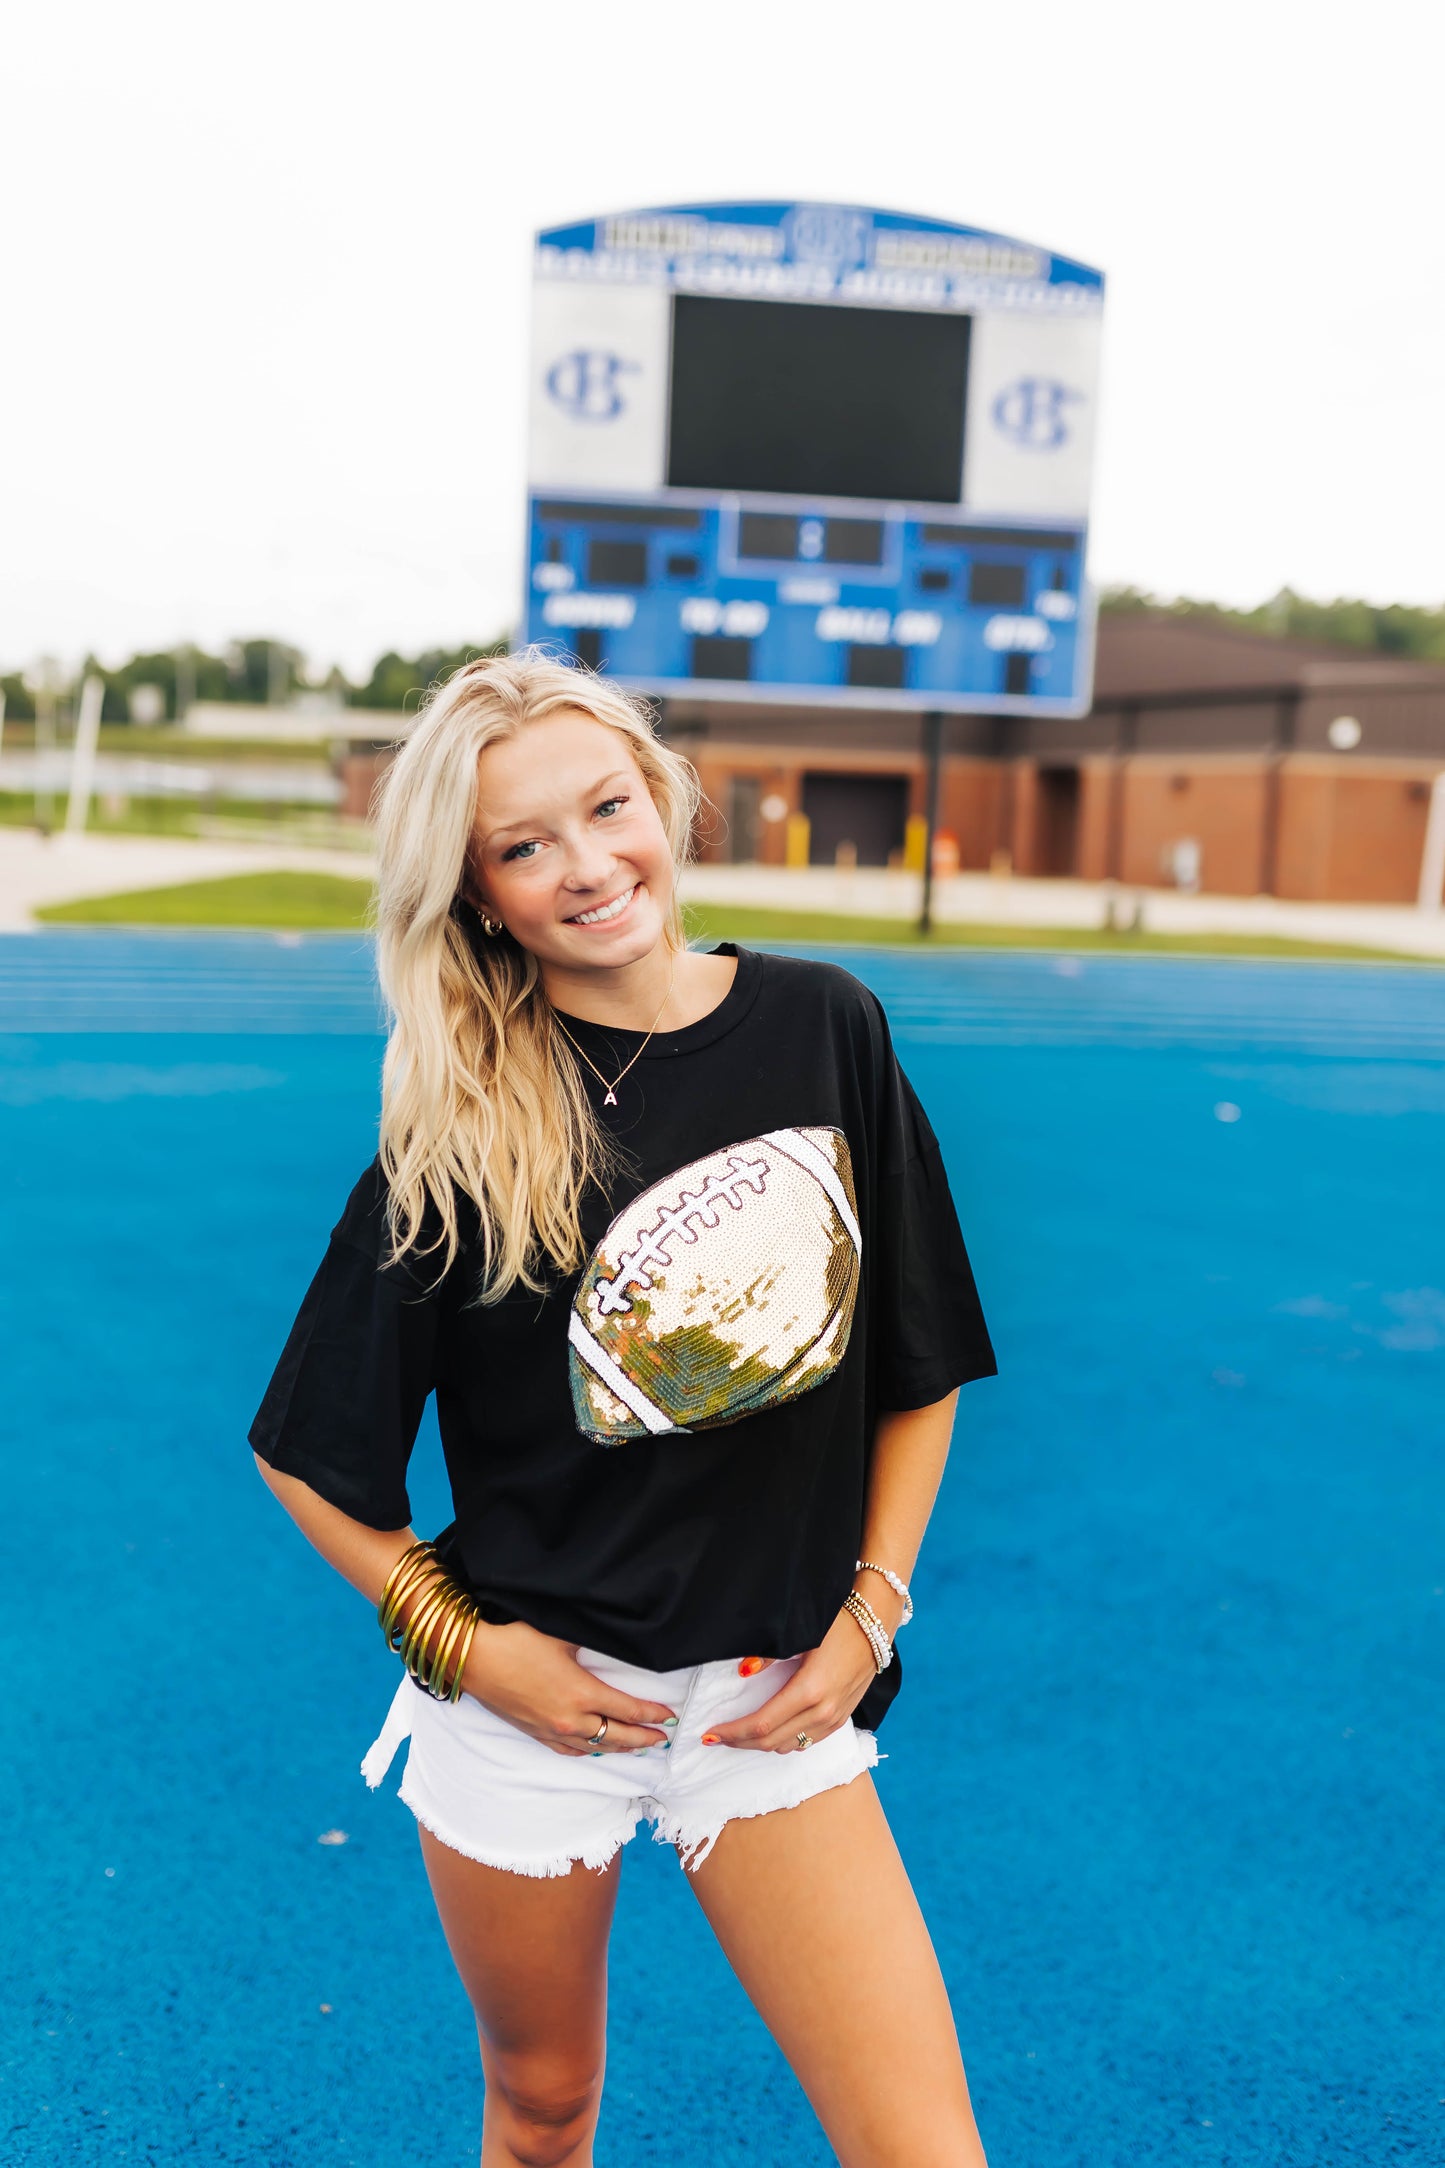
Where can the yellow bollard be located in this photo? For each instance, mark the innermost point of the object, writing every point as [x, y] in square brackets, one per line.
[799, 837]
[915, 843]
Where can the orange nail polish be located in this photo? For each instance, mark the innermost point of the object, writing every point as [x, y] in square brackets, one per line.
[750, 1666]
[710, 1738]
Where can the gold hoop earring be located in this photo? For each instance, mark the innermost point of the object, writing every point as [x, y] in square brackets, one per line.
[491, 926]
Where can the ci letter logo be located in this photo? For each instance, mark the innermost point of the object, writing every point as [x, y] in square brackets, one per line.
[1033, 413]
[823, 233]
[585, 384]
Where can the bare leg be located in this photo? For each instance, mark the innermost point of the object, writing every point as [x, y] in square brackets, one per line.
[532, 1954]
[816, 1915]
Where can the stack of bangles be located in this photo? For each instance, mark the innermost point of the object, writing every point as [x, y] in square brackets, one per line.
[866, 1619]
[435, 1640]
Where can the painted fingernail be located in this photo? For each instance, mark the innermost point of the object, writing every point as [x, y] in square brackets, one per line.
[710, 1738]
[750, 1665]
[667, 1723]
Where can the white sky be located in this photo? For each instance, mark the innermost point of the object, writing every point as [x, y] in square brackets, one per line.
[266, 276]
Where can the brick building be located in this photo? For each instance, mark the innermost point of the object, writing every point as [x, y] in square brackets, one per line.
[1245, 764]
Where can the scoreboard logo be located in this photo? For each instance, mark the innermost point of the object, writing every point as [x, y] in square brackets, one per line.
[585, 384]
[826, 234]
[1032, 413]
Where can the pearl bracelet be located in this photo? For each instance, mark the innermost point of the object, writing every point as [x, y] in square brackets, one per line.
[899, 1588]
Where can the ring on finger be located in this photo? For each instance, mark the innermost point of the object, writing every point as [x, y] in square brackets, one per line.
[804, 1742]
[599, 1735]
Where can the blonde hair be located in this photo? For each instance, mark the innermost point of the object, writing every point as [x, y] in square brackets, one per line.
[482, 1098]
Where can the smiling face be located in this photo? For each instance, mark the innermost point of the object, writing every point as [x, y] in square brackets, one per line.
[568, 849]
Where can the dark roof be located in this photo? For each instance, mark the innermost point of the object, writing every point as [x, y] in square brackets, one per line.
[1147, 652]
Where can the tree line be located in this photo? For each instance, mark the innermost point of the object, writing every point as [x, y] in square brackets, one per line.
[160, 687]
[1406, 630]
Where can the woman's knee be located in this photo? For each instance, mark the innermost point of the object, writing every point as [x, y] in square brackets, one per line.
[547, 2108]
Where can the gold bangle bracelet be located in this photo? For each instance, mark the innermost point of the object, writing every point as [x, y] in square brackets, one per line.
[418, 1571]
[432, 1606]
[439, 1663]
[439, 1620]
[400, 1627]
[463, 1653]
[443, 1668]
[426, 1575]
[400, 1578]
[436, 1670]
[406, 1558]
[435, 1639]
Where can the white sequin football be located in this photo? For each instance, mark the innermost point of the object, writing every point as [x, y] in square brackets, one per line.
[726, 1287]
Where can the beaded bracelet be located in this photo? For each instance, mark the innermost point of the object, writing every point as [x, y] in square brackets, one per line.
[866, 1619]
[899, 1588]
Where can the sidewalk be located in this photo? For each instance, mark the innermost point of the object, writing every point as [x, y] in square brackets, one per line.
[34, 872]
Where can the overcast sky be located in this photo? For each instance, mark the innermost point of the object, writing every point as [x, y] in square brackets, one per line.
[266, 277]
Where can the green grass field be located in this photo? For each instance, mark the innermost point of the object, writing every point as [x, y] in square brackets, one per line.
[299, 902]
[728, 921]
[320, 902]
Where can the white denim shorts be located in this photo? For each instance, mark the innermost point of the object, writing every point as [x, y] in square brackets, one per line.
[494, 1794]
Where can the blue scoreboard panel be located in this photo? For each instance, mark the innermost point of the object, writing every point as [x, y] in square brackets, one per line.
[813, 453]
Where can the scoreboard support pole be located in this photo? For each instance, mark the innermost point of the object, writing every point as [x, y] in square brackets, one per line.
[933, 758]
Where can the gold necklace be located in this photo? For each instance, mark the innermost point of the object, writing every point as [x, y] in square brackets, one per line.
[611, 1089]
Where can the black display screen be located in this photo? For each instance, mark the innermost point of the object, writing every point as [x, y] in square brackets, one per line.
[809, 400]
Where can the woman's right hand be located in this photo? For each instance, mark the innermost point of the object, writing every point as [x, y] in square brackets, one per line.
[536, 1683]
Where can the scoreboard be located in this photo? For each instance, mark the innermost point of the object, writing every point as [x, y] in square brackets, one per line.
[810, 452]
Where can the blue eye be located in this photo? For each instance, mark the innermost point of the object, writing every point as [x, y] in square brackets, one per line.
[518, 850]
[609, 803]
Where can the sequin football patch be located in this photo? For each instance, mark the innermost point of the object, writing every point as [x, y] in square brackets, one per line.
[725, 1288]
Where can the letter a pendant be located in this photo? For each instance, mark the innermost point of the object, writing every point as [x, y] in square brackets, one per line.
[610, 1099]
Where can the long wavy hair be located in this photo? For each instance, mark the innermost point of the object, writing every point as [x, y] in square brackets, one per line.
[483, 1101]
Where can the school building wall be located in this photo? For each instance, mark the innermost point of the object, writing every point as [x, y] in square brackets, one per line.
[1352, 837]
[1199, 736]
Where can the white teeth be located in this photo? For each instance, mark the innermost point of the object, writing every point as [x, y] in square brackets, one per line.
[605, 911]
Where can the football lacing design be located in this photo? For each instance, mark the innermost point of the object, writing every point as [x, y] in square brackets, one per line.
[694, 1208]
[758, 1312]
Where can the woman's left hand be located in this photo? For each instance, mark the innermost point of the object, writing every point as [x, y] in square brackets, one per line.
[820, 1696]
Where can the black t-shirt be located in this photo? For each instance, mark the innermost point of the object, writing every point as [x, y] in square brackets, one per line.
[665, 1459]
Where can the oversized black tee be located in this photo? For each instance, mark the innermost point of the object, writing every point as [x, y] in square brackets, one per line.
[666, 1458]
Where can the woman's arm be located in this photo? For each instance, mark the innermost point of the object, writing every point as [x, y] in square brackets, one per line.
[361, 1555]
[529, 1678]
[910, 1448]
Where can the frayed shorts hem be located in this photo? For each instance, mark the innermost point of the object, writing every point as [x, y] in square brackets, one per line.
[598, 1857]
[691, 1845]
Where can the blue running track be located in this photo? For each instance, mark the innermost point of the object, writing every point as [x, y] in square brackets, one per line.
[1168, 1771]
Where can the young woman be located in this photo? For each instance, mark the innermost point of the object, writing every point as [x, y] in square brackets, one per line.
[669, 1237]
